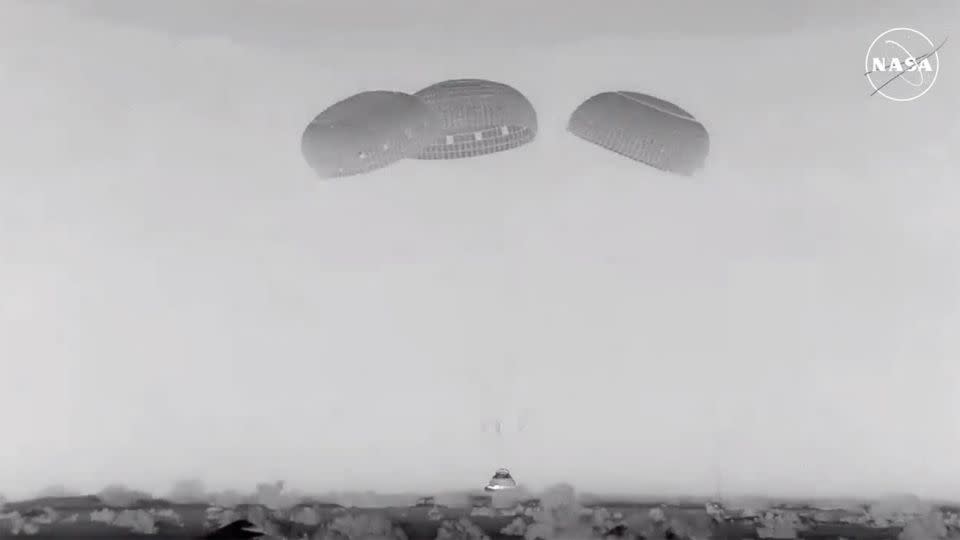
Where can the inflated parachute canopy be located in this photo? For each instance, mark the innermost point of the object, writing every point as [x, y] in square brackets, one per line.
[478, 117]
[368, 131]
[643, 128]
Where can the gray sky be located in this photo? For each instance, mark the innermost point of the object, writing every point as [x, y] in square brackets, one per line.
[179, 297]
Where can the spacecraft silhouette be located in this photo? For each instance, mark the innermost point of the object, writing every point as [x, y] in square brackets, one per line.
[501, 480]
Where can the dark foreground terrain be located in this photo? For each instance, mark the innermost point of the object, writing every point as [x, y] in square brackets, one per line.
[482, 517]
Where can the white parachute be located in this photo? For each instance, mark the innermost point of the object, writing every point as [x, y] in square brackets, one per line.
[643, 128]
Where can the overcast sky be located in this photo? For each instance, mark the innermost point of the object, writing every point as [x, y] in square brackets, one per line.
[180, 297]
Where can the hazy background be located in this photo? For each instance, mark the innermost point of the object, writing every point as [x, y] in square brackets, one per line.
[180, 297]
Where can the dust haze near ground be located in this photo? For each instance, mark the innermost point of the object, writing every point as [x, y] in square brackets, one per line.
[180, 297]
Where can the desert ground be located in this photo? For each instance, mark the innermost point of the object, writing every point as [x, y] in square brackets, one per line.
[556, 513]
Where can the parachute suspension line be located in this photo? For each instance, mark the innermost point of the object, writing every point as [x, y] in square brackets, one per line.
[504, 397]
[502, 421]
[508, 402]
[719, 433]
[718, 475]
[501, 409]
[501, 444]
[502, 426]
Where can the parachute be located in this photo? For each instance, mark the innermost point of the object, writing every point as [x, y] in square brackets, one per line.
[368, 131]
[478, 117]
[643, 128]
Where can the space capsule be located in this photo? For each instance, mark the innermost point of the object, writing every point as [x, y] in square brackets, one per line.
[501, 480]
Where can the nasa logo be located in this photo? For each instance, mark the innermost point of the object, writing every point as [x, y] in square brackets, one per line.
[902, 64]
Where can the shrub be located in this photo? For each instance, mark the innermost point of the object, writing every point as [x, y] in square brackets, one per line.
[120, 495]
[462, 529]
[929, 526]
[188, 491]
[365, 526]
[56, 491]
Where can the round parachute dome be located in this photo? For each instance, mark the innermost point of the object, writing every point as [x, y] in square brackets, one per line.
[368, 131]
[478, 117]
[643, 128]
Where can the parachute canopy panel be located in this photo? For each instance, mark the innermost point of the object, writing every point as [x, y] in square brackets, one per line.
[478, 117]
[643, 128]
[368, 131]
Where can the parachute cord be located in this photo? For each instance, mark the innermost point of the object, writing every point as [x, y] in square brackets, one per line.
[506, 433]
[504, 424]
[501, 444]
